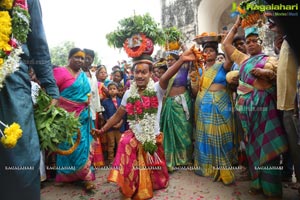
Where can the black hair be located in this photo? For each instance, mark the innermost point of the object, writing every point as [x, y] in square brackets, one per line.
[144, 58]
[112, 83]
[73, 51]
[175, 56]
[113, 73]
[163, 67]
[220, 53]
[213, 45]
[237, 38]
[89, 52]
[116, 67]
[99, 67]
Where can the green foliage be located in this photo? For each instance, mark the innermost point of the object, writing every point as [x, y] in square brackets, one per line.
[134, 25]
[97, 60]
[244, 4]
[54, 124]
[59, 54]
[149, 93]
[149, 147]
[172, 34]
[2, 54]
[20, 21]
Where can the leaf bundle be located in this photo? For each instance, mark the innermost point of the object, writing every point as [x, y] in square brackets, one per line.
[54, 124]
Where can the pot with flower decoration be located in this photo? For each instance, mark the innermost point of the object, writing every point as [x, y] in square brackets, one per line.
[137, 45]
[250, 17]
[137, 35]
[173, 37]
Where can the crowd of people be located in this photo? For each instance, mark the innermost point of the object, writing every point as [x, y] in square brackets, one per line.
[164, 113]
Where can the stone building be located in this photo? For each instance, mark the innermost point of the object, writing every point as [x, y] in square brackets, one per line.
[193, 17]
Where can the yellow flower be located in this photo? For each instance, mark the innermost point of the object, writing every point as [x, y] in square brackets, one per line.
[11, 134]
[9, 52]
[9, 141]
[13, 130]
[5, 31]
[5, 20]
[7, 4]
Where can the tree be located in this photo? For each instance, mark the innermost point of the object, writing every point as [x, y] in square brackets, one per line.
[59, 54]
[97, 60]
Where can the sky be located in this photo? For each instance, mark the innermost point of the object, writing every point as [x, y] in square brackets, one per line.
[86, 22]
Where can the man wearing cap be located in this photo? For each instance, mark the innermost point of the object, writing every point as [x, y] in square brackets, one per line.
[256, 105]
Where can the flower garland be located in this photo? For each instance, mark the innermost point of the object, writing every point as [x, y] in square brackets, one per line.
[11, 134]
[137, 51]
[142, 115]
[14, 21]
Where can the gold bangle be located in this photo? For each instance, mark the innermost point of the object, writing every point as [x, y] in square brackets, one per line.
[194, 84]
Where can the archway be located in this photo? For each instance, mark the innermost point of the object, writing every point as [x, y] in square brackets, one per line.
[210, 13]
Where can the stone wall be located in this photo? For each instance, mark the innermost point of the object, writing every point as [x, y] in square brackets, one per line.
[193, 17]
[182, 14]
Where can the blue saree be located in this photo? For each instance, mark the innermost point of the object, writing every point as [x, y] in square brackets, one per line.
[76, 166]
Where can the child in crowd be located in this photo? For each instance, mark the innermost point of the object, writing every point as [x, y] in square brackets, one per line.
[121, 90]
[111, 104]
[117, 76]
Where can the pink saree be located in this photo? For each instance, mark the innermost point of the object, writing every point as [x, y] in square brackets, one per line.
[136, 179]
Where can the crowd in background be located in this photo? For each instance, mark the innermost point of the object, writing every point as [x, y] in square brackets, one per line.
[238, 111]
[219, 125]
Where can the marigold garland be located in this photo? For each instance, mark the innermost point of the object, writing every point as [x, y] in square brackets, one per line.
[136, 52]
[6, 4]
[11, 134]
[14, 21]
[199, 65]
[250, 20]
[249, 17]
